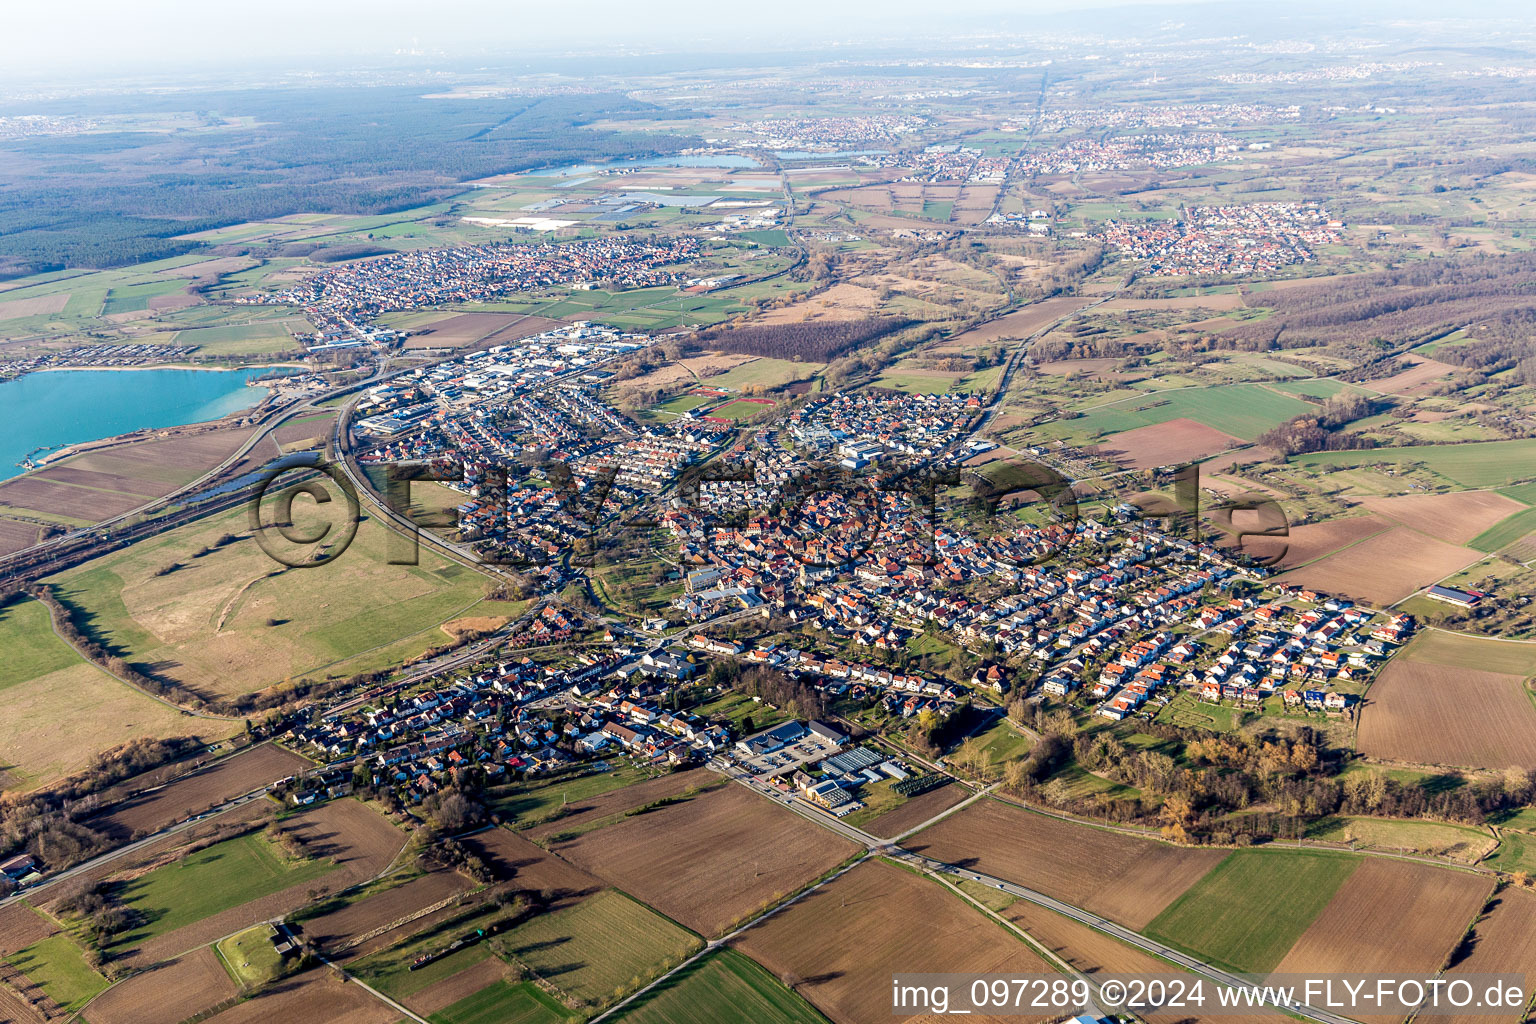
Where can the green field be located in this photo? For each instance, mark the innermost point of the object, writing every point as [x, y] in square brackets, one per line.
[721, 987]
[1523, 493]
[603, 945]
[685, 403]
[32, 649]
[1506, 532]
[504, 1003]
[134, 297]
[527, 804]
[59, 968]
[1475, 465]
[231, 620]
[204, 883]
[1243, 410]
[46, 687]
[1462, 651]
[1252, 907]
[250, 956]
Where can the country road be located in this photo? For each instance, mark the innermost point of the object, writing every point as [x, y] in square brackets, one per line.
[889, 848]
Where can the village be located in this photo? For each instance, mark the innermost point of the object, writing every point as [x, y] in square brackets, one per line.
[340, 302]
[1255, 238]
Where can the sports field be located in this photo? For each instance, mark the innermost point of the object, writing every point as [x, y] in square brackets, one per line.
[1253, 906]
[722, 986]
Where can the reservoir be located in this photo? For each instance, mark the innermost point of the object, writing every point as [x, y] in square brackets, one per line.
[53, 408]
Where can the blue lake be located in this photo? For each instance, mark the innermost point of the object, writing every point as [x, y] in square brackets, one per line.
[54, 408]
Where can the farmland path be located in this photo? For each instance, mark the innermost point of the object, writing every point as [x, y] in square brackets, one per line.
[380, 996]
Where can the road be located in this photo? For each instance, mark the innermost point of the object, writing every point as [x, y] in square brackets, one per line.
[889, 848]
[138, 844]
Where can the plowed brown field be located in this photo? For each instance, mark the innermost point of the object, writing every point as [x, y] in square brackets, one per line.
[1503, 942]
[1390, 917]
[173, 992]
[1122, 877]
[1422, 713]
[532, 867]
[840, 945]
[1096, 953]
[319, 995]
[1386, 568]
[710, 860]
[181, 799]
[20, 926]
[1456, 517]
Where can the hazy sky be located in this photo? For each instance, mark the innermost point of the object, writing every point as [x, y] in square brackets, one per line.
[70, 35]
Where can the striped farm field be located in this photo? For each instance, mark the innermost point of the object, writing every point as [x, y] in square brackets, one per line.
[1125, 878]
[1432, 706]
[1253, 906]
[1476, 464]
[722, 986]
[1515, 528]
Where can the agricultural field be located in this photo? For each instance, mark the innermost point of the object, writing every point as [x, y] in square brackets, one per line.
[210, 881]
[1384, 568]
[58, 967]
[839, 946]
[175, 991]
[722, 986]
[1390, 916]
[96, 485]
[536, 803]
[585, 813]
[1093, 952]
[1127, 879]
[710, 860]
[45, 684]
[344, 843]
[1474, 465]
[1252, 907]
[531, 867]
[602, 946]
[375, 908]
[1432, 706]
[222, 618]
[197, 792]
[504, 1003]
[317, 994]
[1165, 444]
[1456, 518]
[907, 814]
[1502, 942]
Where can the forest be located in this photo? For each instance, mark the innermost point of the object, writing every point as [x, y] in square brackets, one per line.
[809, 341]
[110, 199]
